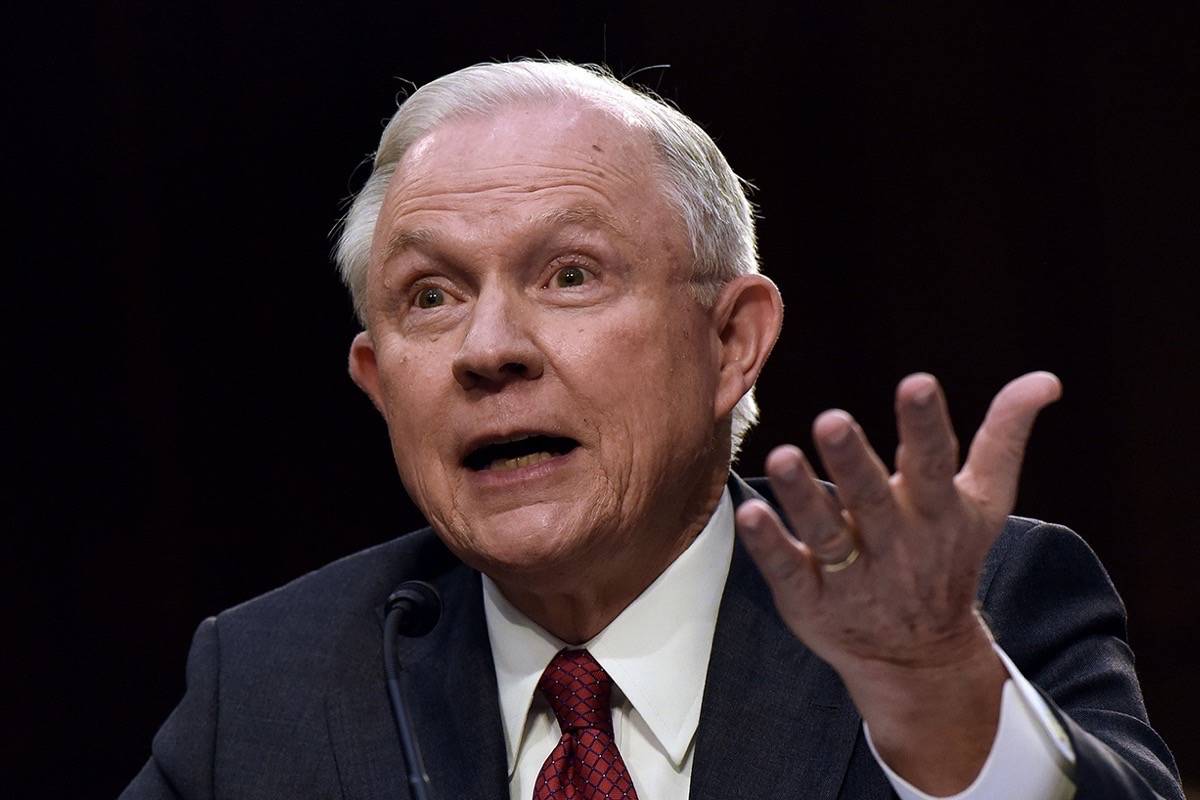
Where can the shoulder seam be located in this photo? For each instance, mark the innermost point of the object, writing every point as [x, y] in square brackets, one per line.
[1034, 525]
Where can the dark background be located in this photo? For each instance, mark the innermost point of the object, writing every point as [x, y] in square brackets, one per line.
[973, 189]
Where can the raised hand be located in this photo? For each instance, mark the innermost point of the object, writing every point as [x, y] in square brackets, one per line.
[880, 580]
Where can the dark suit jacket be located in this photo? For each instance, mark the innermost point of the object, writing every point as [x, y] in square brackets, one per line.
[286, 696]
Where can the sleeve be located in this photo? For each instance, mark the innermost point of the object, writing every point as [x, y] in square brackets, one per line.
[1031, 756]
[1057, 616]
[182, 754]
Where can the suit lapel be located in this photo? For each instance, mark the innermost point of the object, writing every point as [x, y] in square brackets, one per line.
[450, 687]
[776, 720]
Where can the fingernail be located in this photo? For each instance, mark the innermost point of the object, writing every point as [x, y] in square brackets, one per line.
[789, 472]
[840, 433]
[750, 530]
[924, 394]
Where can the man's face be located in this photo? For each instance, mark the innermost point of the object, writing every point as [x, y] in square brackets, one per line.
[547, 378]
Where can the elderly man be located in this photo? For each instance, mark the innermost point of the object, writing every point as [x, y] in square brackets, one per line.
[564, 324]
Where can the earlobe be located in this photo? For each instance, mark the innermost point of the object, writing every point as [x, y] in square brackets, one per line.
[749, 316]
[364, 368]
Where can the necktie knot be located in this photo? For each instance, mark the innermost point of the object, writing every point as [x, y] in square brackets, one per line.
[585, 765]
[579, 691]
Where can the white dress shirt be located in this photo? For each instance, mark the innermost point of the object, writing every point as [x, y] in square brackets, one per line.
[657, 652]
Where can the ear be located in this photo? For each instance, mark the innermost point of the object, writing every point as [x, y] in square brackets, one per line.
[364, 368]
[748, 315]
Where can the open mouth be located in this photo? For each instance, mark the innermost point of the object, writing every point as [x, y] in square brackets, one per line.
[520, 452]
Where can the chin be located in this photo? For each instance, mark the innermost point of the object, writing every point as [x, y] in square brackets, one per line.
[536, 538]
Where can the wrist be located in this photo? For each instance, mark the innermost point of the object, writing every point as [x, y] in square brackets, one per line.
[933, 722]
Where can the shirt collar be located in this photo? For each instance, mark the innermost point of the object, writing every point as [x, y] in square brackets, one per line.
[656, 650]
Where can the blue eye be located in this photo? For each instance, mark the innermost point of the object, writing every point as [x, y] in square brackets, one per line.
[430, 297]
[568, 277]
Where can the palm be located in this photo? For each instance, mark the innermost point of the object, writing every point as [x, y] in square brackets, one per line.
[922, 533]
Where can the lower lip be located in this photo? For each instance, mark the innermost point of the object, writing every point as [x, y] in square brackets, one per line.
[490, 478]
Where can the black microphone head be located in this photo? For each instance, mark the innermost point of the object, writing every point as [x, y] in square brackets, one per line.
[418, 605]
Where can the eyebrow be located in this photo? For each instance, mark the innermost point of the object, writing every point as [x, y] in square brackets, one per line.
[583, 216]
[404, 239]
[586, 216]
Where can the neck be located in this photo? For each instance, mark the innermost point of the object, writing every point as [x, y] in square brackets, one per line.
[577, 610]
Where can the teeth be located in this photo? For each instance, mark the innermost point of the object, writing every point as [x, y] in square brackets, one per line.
[520, 461]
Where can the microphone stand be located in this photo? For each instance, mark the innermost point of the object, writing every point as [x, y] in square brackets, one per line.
[415, 597]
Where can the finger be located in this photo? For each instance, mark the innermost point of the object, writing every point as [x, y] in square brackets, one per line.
[786, 564]
[928, 455]
[993, 465]
[861, 478]
[809, 507]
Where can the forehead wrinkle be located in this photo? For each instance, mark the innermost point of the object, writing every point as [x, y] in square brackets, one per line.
[482, 181]
[582, 211]
[453, 165]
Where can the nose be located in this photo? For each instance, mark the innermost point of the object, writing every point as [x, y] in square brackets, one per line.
[497, 348]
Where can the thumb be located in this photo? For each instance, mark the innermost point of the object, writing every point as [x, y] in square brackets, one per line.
[993, 468]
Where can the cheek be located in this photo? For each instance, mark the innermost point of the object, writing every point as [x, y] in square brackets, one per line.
[643, 385]
[411, 384]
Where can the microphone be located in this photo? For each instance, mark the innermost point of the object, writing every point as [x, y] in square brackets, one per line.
[412, 610]
[418, 605]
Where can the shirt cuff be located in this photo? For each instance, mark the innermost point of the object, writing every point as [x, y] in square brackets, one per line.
[1031, 756]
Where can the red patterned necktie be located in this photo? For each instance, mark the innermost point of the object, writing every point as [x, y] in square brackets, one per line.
[585, 764]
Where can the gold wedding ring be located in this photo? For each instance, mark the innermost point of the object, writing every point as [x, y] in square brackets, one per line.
[838, 566]
[850, 531]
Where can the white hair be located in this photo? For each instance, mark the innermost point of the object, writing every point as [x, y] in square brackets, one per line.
[696, 178]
